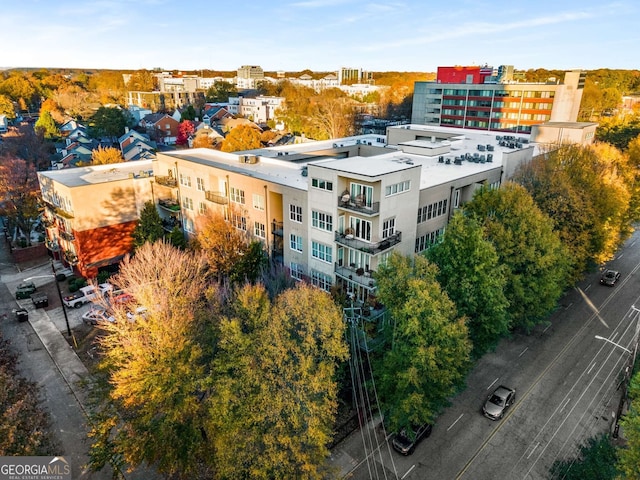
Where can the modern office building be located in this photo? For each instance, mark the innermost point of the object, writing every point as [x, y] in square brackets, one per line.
[484, 98]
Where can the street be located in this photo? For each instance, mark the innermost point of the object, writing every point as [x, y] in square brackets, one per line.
[568, 387]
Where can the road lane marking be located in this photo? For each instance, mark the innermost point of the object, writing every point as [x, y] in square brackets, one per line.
[565, 404]
[523, 351]
[591, 368]
[408, 471]
[568, 306]
[451, 426]
[632, 243]
[587, 287]
[533, 450]
[620, 256]
[493, 383]
[548, 327]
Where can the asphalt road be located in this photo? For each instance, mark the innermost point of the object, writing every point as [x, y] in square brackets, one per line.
[567, 383]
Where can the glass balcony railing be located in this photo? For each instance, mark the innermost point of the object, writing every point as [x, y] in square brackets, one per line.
[371, 248]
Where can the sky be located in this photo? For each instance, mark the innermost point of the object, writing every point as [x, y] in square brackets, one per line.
[320, 35]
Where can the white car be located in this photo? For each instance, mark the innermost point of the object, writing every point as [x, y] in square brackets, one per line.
[96, 315]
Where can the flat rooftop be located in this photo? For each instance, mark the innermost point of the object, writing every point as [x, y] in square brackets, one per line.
[96, 174]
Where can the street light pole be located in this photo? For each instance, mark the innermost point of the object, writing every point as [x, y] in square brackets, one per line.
[64, 310]
[613, 343]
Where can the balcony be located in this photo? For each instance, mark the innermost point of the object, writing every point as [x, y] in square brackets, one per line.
[169, 205]
[277, 228]
[166, 181]
[358, 275]
[67, 236]
[216, 197]
[170, 223]
[372, 248]
[358, 205]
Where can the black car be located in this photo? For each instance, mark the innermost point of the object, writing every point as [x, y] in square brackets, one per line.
[24, 290]
[402, 442]
[498, 402]
[609, 278]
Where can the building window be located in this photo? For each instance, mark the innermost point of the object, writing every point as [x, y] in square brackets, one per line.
[259, 230]
[258, 202]
[397, 188]
[188, 224]
[321, 280]
[322, 184]
[239, 222]
[388, 227]
[432, 210]
[200, 183]
[456, 199]
[237, 195]
[202, 208]
[295, 213]
[431, 238]
[362, 195]
[297, 271]
[361, 228]
[296, 242]
[321, 220]
[187, 203]
[185, 180]
[321, 252]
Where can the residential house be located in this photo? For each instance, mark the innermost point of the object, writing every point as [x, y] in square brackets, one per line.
[161, 127]
[4, 123]
[136, 146]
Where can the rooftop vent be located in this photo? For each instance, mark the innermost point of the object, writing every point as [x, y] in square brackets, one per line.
[304, 171]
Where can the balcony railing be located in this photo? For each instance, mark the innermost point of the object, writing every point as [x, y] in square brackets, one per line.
[67, 236]
[170, 205]
[170, 223]
[372, 248]
[357, 205]
[277, 228]
[358, 275]
[216, 197]
[166, 181]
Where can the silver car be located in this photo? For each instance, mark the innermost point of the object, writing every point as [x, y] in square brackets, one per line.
[499, 402]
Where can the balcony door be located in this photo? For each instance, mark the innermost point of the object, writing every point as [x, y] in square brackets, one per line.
[362, 195]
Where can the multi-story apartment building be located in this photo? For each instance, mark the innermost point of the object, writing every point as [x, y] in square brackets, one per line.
[332, 211]
[260, 109]
[248, 76]
[91, 212]
[487, 99]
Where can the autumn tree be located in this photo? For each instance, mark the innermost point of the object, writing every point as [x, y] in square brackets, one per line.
[471, 274]
[153, 411]
[108, 122]
[141, 80]
[106, 155]
[19, 184]
[275, 393]
[242, 137]
[426, 357]
[76, 101]
[6, 107]
[185, 130]
[333, 115]
[149, 228]
[536, 261]
[22, 89]
[54, 109]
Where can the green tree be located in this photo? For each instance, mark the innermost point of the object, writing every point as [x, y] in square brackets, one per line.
[242, 137]
[46, 126]
[108, 122]
[220, 92]
[153, 411]
[596, 461]
[251, 265]
[427, 354]
[176, 238]
[629, 457]
[188, 113]
[471, 274]
[537, 262]
[275, 393]
[21, 193]
[149, 228]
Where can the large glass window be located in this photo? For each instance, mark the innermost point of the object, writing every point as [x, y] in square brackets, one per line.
[321, 251]
[388, 227]
[296, 243]
[295, 213]
[362, 195]
[258, 201]
[237, 195]
[322, 220]
[361, 228]
[321, 280]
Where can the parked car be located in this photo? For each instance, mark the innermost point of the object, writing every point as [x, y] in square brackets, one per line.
[25, 289]
[405, 442]
[86, 295]
[95, 315]
[499, 402]
[609, 277]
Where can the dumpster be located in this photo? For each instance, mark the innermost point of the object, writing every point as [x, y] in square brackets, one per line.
[22, 315]
[40, 300]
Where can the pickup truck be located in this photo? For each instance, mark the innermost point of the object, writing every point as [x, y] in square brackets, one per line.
[86, 295]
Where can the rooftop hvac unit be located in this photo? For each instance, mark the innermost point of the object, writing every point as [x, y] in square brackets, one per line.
[481, 148]
[448, 161]
[440, 159]
[304, 171]
[489, 157]
[490, 148]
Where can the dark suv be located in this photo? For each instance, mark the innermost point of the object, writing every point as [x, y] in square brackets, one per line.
[609, 278]
[25, 289]
[402, 442]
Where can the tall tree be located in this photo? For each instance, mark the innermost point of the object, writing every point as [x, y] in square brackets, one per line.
[537, 262]
[275, 400]
[6, 107]
[242, 137]
[220, 92]
[19, 184]
[108, 122]
[149, 228]
[106, 155]
[427, 354]
[185, 130]
[154, 411]
[629, 457]
[46, 126]
[471, 274]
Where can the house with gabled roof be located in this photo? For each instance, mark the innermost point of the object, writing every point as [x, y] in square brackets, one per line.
[135, 145]
[161, 127]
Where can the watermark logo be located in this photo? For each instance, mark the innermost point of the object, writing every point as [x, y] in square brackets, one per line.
[34, 468]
